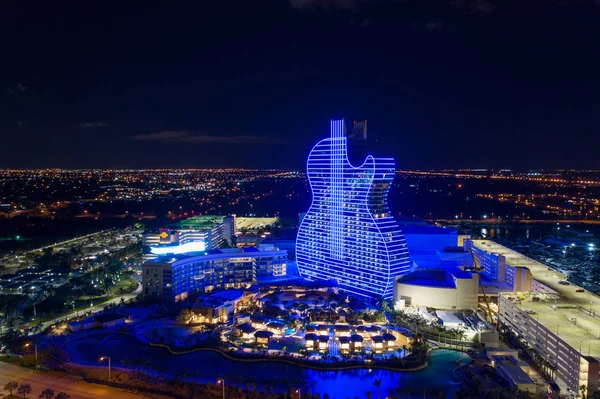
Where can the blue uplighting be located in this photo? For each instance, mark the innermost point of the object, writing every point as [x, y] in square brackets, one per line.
[348, 234]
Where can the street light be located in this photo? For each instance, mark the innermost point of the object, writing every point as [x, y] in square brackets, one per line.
[222, 382]
[299, 393]
[102, 359]
[36, 355]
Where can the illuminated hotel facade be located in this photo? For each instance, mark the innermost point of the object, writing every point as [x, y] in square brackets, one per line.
[348, 234]
[177, 276]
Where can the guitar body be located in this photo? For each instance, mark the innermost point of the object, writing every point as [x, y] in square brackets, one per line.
[348, 234]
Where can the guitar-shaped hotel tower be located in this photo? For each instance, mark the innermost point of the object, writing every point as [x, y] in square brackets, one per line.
[348, 234]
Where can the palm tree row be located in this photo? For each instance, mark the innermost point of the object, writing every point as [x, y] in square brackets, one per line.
[23, 390]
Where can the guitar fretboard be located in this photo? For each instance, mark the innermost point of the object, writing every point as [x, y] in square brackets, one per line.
[338, 151]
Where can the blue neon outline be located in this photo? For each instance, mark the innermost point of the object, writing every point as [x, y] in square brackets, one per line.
[400, 250]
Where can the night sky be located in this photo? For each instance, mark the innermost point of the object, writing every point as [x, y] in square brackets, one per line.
[443, 84]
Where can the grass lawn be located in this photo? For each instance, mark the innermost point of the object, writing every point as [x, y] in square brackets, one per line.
[124, 283]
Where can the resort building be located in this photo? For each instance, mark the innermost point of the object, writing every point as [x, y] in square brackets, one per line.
[178, 276]
[500, 265]
[263, 337]
[323, 342]
[342, 330]
[199, 233]
[245, 331]
[219, 306]
[377, 343]
[448, 288]
[348, 234]
[311, 340]
[277, 328]
[357, 342]
[344, 343]
[509, 368]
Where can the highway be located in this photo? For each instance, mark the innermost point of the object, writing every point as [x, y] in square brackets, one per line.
[72, 240]
[76, 388]
[512, 222]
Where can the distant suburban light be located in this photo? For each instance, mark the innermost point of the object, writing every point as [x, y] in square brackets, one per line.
[180, 249]
[591, 245]
[573, 244]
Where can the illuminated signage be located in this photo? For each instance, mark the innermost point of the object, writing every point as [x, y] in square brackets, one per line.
[179, 249]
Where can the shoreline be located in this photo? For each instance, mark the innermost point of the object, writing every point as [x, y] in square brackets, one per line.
[289, 361]
[228, 356]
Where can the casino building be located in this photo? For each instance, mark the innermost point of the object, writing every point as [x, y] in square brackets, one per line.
[348, 234]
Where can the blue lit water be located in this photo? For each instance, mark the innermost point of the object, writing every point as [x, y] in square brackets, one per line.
[210, 366]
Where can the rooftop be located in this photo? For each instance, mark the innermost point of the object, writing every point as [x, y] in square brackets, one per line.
[425, 229]
[542, 273]
[107, 317]
[217, 253]
[434, 277]
[198, 222]
[511, 369]
[568, 320]
[228, 295]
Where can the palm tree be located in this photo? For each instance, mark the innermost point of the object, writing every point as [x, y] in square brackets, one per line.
[47, 393]
[24, 390]
[107, 283]
[62, 395]
[582, 390]
[377, 383]
[11, 386]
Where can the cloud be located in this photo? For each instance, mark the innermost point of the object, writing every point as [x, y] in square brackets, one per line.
[93, 125]
[16, 88]
[435, 24]
[324, 4]
[480, 7]
[184, 136]
[439, 25]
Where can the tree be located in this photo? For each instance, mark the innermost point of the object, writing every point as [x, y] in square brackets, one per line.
[11, 386]
[377, 383]
[24, 390]
[582, 390]
[107, 283]
[62, 395]
[47, 393]
[186, 316]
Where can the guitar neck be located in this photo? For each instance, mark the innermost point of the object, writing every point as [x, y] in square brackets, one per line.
[338, 151]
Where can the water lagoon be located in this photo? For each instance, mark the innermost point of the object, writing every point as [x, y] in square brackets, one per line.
[208, 366]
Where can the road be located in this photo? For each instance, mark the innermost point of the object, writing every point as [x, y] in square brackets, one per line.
[77, 389]
[68, 241]
[504, 222]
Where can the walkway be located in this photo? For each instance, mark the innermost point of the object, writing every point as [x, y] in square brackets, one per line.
[94, 309]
